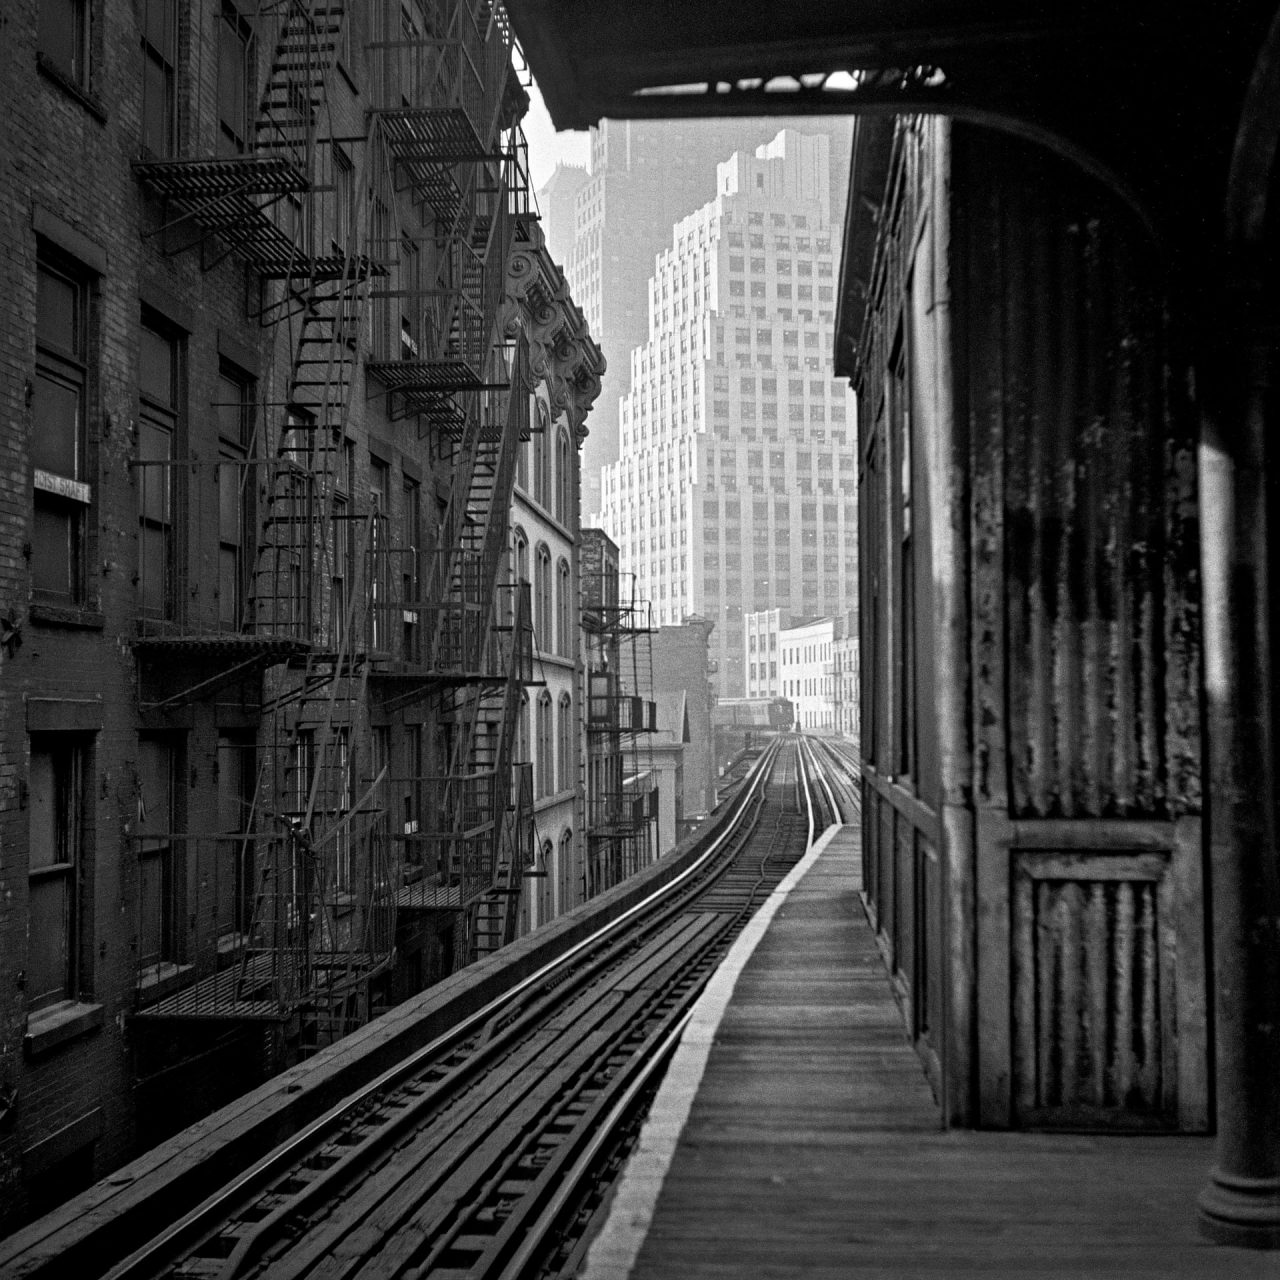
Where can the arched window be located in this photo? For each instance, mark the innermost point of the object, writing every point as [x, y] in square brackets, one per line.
[565, 871]
[566, 752]
[519, 556]
[546, 886]
[544, 767]
[566, 611]
[543, 623]
[523, 455]
[519, 567]
[542, 456]
[522, 731]
[564, 479]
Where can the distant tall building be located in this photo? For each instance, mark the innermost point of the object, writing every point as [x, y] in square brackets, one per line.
[735, 490]
[556, 202]
[644, 175]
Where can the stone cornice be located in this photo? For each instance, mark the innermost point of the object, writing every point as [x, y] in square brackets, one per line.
[562, 353]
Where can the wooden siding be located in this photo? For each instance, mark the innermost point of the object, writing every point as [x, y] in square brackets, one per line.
[1092, 989]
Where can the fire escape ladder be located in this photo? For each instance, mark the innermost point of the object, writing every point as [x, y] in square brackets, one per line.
[504, 850]
[323, 920]
[321, 923]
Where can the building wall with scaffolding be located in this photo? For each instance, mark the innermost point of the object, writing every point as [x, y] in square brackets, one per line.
[622, 799]
[262, 668]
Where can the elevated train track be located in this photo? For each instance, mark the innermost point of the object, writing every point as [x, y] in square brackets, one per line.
[487, 1151]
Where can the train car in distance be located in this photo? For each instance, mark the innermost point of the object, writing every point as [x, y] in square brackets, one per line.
[753, 713]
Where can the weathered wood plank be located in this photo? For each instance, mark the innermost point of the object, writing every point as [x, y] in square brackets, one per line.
[814, 1149]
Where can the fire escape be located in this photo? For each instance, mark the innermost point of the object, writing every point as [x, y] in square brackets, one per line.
[446, 104]
[622, 796]
[289, 918]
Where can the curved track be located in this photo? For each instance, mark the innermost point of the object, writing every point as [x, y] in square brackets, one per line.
[486, 1153]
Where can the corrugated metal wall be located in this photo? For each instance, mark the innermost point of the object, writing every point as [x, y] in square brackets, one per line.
[1085, 624]
[1099, 517]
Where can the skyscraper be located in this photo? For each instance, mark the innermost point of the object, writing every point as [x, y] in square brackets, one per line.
[644, 175]
[735, 488]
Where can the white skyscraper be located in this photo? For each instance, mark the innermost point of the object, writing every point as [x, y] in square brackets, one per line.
[736, 486]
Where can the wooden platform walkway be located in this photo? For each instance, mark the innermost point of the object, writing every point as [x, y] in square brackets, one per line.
[812, 1145]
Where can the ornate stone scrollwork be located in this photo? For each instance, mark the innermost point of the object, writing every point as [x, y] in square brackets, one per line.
[562, 353]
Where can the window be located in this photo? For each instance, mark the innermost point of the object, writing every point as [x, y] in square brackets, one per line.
[234, 414]
[159, 76]
[899, 410]
[64, 38]
[566, 612]
[542, 459]
[56, 961]
[546, 883]
[59, 436]
[341, 544]
[380, 343]
[335, 795]
[160, 882]
[542, 617]
[344, 197]
[522, 731]
[524, 449]
[568, 757]
[564, 479]
[566, 870]
[519, 557]
[379, 563]
[410, 557]
[411, 783]
[236, 78]
[409, 285]
[235, 887]
[546, 758]
[158, 424]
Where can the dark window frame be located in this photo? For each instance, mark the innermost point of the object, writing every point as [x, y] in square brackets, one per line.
[71, 768]
[237, 108]
[64, 40]
[159, 124]
[62, 493]
[161, 436]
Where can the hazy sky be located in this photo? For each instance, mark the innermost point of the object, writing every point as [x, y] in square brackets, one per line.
[546, 146]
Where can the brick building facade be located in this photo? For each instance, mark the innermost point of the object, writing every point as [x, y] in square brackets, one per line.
[269, 350]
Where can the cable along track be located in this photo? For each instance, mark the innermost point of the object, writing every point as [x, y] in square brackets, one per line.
[484, 1154]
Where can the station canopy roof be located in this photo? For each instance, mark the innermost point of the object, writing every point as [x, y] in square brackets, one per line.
[595, 58]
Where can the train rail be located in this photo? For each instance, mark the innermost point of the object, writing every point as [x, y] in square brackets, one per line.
[486, 1153]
